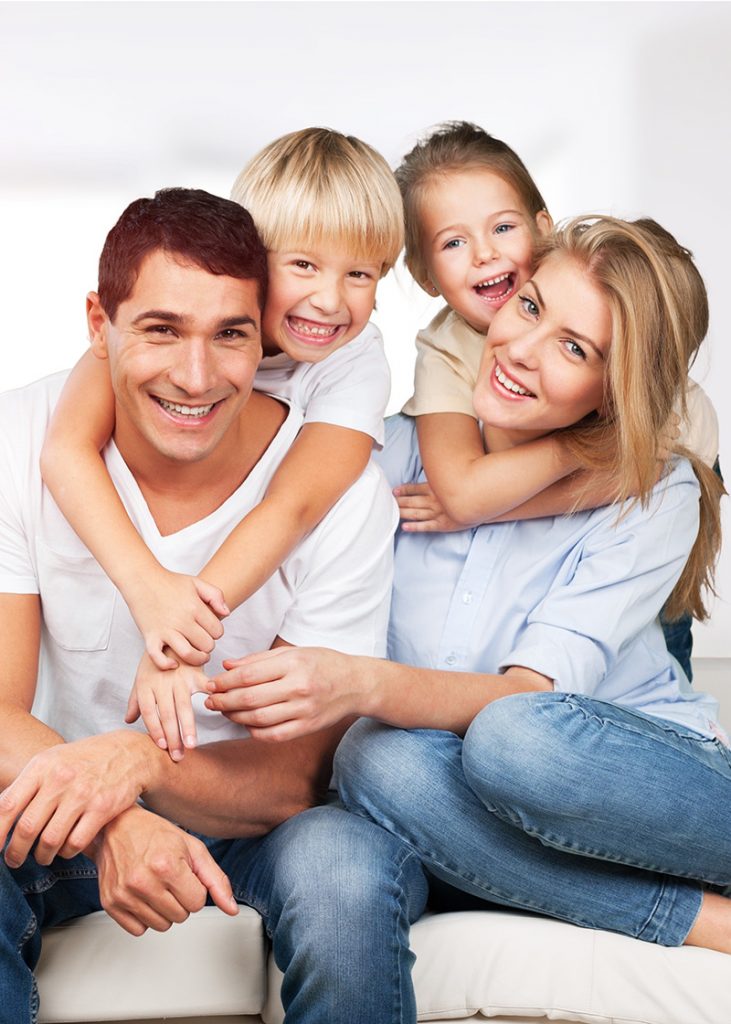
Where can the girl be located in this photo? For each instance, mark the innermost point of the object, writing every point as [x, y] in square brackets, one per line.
[555, 759]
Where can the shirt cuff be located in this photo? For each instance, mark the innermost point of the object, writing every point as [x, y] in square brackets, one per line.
[576, 663]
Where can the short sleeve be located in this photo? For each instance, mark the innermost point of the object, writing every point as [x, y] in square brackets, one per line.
[400, 459]
[699, 429]
[448, 355]
[352, 386]
[626, 571]
[343, 573]
[17, 460]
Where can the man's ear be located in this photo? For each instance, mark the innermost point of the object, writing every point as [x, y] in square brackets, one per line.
[98, 322]
[544, 222]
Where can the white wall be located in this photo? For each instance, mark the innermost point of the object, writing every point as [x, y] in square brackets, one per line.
[620, 108]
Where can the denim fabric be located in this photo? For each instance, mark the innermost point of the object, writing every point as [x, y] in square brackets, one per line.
[559, 804]
[318, 870]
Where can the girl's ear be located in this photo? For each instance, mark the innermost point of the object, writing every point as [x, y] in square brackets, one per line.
[97, 321]
[544, 222]
[429, 287]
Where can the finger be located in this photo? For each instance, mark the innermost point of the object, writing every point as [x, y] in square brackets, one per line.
[133, 708]
[56, 835]
[147, 704]
[416, 514]
[425, 526]
[13, 802]
[215, 880]
[209, 622]
[212, 596]
[125, 920]
[27, 829]
[258, 656]
[192, 653]
[273, 712]
[168, 715]
[186, 717]
[154, 647]
[406, 490]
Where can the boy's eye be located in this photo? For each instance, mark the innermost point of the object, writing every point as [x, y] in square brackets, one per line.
[359, 275]
[528, 305]
[304, 265]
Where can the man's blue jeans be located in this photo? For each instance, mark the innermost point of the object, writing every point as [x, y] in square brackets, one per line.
[559, 804]
[336, 894]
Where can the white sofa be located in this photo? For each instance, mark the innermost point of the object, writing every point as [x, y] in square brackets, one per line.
[471, 966]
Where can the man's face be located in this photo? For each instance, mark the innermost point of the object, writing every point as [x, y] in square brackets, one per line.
[183, 351]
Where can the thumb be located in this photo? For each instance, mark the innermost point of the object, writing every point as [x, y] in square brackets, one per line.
[213, 597]
[215, 880]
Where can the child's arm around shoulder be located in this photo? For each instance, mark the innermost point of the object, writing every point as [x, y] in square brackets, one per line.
[76, 475]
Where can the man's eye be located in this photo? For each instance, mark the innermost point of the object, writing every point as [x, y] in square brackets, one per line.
[162, 329]
[231, 334]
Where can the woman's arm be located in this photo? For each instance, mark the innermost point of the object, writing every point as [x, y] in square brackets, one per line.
[320, 466]
[474, 487]
[75, 473]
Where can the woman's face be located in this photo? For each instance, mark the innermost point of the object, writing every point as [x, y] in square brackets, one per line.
[545, 356]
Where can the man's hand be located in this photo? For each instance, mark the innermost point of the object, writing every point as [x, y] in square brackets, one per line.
[153, 875]
[290, 691]
[67, 793]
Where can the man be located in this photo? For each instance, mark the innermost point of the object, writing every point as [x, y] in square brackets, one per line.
[91, 805]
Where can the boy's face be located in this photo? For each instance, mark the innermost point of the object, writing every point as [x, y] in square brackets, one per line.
[318, 301]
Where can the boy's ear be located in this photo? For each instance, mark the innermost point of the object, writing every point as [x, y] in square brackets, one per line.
[97, 321]
[544, 222]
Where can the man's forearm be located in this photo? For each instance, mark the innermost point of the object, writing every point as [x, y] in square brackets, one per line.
[23, 736]
[240, 788]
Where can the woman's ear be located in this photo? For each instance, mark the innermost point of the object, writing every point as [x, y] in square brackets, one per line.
[544, 222]
[97, 321]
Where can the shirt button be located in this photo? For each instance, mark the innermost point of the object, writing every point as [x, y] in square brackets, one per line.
[467, 597]
[450, 659]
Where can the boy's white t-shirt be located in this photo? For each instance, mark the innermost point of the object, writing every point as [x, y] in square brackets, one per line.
[332, 591]
[350, 388]
[448, 357]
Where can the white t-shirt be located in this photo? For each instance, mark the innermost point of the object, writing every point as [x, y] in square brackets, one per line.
[333, 590]
[348, 389]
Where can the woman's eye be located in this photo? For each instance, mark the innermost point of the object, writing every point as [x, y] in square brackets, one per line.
[574, 348]
[528, 305]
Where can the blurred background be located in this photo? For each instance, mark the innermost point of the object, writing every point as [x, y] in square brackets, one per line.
[615, 107]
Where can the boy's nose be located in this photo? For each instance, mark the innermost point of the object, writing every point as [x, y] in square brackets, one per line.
[328, 298]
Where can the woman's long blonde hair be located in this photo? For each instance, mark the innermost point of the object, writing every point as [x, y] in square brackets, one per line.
[659, 313]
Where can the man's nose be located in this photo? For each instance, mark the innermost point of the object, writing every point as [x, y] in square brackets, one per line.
[194, 369]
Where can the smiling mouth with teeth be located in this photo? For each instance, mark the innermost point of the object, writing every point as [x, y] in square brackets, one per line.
[310, 329]
[193, 411]
[510, 385]
[496, 289]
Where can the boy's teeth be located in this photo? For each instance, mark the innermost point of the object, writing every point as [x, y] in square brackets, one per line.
[510, 384]
[317, 330]
[186, 410]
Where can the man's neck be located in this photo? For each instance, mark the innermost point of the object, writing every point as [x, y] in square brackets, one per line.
[179, 494]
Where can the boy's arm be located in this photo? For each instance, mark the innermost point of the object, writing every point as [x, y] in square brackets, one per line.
[320, 466]
[75, 473]
[475, 487]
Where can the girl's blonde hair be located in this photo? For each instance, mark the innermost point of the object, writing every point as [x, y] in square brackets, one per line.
[659, 314]
[456, 146]
[316, 186]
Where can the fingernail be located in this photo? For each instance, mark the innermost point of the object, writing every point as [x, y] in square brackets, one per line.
[190, 741]
[163, 744]
[177, 755]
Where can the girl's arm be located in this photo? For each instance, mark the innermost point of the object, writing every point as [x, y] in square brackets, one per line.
[474, 487]
[320, 466]
[75, 473]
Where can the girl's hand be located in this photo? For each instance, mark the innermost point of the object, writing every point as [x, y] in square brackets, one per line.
[289, 691]
[421, 510]
[163, 700]
[179, 612]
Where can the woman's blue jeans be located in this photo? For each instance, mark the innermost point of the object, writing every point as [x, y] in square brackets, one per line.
[559, 804]
[336, 894]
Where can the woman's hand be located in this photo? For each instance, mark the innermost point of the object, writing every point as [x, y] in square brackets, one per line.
[180, 612]
[290, 691]
[163, 700]
[421, 511]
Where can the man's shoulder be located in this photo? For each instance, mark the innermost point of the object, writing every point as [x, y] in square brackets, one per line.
[26, 411]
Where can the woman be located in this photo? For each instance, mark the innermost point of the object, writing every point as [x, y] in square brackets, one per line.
[589, 780]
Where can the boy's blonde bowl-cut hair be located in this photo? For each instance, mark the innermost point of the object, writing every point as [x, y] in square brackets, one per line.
[317, 186]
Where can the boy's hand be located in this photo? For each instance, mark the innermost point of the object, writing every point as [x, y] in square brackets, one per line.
[163, 700]
[180, 612]
[421, 510]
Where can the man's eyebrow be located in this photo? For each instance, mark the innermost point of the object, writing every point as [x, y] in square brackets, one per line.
[567, 330]
[179, 320]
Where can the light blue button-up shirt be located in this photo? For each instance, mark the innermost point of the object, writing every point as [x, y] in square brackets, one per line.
[573, 597]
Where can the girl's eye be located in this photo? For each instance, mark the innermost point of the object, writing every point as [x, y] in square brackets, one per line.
[528, 305]
[574, 348]
[454, 243]
[502, 229]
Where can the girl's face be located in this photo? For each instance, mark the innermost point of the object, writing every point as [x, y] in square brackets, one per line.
[545, 356]
[477, 241]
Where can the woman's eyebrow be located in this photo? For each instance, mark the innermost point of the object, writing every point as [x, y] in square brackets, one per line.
[567, 330]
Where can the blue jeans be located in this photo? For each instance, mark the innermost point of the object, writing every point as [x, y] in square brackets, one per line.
[559, 804]
[336, 893]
